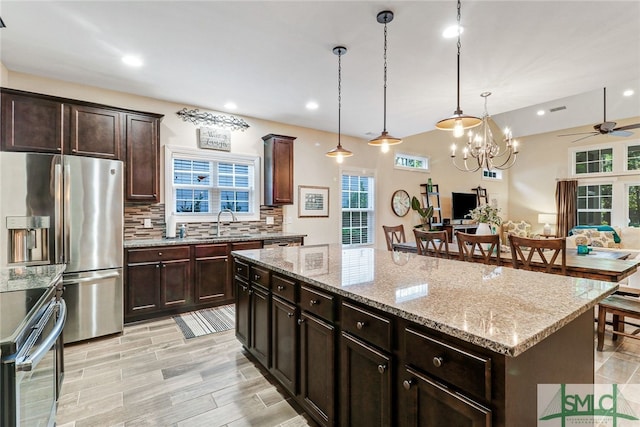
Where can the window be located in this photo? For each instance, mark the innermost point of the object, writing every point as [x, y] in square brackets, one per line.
[594, 161]
[633, 202]
[594, 204]
[633, 157]
[357, 209]
[491, 174]
[200, 184]
[411, 162]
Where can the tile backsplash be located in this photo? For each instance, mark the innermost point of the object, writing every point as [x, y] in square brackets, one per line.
[136, 213]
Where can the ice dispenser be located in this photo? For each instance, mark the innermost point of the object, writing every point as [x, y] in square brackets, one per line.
[28, 239]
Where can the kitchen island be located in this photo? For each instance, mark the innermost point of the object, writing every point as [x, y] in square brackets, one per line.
[389, 338]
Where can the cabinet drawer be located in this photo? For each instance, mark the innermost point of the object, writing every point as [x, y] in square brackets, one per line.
[366, 325]
[260, 276]
[241, 269]
[466, 371]
[205, 251]
[317, 303]
[285, 288]
[164, 253]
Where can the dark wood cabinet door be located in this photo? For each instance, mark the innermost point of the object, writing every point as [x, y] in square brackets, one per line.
[212, 283]
[175, 283]
[260, 325]
[365, 384]
[243, 312]
[31, 123]
[278, 164]
[95, 132]
[284, 343]
[142, 145]
[429, 404]
[317, 368]
[143, 288]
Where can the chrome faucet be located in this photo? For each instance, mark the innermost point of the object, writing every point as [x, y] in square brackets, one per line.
[233, 218]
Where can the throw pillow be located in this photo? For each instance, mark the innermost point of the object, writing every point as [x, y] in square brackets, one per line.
[581, 239]
[603, 239]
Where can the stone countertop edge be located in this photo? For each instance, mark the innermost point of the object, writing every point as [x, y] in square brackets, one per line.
[145, 243]
[481, 341]
[29, 277]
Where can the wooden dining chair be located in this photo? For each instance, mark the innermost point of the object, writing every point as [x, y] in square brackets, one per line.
[432, 243]
[534, 254]
[394, 234]
[479, 247]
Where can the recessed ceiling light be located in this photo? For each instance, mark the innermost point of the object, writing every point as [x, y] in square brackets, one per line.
[132, 61]
[452, 31]
[312, 105]
[540, 112]
[230, 106]
[628, 92]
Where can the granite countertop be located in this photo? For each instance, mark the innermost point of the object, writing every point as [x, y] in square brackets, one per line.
[189, 240]
[22, 278]
[499, 308]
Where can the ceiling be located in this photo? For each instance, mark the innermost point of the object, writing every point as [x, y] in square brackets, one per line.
[272, 57]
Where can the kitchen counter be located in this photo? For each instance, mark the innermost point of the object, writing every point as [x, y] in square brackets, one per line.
[143, 243]
[500, 309]
[23, 278]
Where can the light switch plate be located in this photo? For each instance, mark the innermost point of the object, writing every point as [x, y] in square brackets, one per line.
[269, 220]
[147, 223]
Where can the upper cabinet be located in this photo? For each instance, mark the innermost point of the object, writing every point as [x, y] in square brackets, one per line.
[95, 132]
[278, 169]
[143, 158]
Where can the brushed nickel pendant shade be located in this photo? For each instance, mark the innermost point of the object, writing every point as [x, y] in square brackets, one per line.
[459, 121]
[339, 153]
[385, 140]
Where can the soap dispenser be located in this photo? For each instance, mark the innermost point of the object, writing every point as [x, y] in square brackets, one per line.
[183, 231]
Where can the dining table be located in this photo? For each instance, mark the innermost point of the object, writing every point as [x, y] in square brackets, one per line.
[610, 266]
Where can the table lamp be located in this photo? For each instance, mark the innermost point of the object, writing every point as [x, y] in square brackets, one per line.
[546, 219]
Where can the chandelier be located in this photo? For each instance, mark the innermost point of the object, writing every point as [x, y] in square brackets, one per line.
[339, 153]
[482, 151]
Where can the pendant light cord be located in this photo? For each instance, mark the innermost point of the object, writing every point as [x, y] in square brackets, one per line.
[339, 93]
[458, 111]
[384, 121]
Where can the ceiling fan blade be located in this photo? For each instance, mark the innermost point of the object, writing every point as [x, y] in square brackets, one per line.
[584, 137]
[627, 127]
[620, 133]
[581, 133]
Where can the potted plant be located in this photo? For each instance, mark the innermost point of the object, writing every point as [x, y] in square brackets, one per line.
[485, 214]
[425, 213]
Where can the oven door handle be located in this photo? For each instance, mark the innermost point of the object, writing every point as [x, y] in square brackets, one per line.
[33, 360]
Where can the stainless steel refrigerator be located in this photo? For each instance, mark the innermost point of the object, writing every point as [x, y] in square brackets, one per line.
[68, 209]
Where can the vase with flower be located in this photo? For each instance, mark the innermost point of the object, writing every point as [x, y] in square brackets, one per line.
[487, 217]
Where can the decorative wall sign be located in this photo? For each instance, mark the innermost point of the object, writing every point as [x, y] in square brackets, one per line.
[313, 201]
[227, 122]
[214, 139]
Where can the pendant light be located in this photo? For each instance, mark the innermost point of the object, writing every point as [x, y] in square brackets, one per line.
[385, 140]
[458, 122]
[339, 153]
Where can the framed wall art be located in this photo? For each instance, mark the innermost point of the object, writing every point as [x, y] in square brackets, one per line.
[313, 202]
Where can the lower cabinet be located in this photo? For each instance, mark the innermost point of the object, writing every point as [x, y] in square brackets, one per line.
[211, 280]
[260, 335]
[430, 404]
[243, 312]
[284, 343]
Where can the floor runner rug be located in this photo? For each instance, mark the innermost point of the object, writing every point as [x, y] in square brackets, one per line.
[207, 321]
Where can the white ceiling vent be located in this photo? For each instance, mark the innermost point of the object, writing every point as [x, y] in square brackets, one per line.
[553, 110]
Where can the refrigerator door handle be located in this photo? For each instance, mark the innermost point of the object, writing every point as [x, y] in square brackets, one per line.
[66, 208]
[93, 278]
[58, 211]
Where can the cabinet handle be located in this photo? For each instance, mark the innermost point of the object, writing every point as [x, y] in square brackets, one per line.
[239, 269]
[157, 265]
[280, 288]
[437, 361]
[382, 368]
[250, 291]
[300, 321]
[155, 194]
[159, 253]
[164, 266]
[407, 384]
[314, 302]
[73, 150]
[290, 314]
[360, 325]
[256, 277]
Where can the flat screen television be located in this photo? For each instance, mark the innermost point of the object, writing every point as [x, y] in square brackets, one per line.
[462, 203]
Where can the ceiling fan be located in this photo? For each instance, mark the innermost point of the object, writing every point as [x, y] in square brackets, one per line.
[606, 128]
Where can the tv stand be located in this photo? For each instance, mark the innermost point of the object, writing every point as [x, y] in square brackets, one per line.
[452, 228]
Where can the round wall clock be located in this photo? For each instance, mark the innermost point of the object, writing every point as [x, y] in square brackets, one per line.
[400, 202]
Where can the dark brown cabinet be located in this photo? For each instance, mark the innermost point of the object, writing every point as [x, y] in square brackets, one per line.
[157, 281]
[260, 335]
[284, 343]
[95, 132]
[143, 158]
[211, 280]
[243, 303]
[278, 170]
[32, 123]
[431, 404]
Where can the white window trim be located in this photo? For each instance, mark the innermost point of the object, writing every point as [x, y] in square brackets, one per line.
[628, 184]
[186, 153]
[617, 160]
[360, 172]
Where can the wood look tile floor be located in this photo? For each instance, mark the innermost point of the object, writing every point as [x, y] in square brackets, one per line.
[152, 376]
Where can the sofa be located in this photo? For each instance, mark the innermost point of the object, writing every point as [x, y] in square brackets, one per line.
[608, 238]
